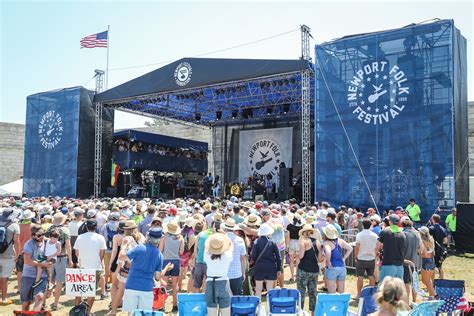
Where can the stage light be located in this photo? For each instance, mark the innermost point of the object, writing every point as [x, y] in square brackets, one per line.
[286, 108]
[218, 115]
[197, 116]
[269, 110]
[235, 113]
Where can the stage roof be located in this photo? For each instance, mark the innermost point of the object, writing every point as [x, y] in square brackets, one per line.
[212, 91]
[153, 138]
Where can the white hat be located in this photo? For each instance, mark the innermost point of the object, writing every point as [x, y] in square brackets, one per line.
[265, 230]
[27, 214]
[375, 217]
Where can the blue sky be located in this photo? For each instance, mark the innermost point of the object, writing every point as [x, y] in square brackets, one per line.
[40, 40]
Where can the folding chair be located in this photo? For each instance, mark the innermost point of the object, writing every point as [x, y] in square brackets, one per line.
[192, 304]
[332, 304]
[426, 308]
[141, 312]
[283, 302]
[367, 304]
[244, 306]
[451, 292]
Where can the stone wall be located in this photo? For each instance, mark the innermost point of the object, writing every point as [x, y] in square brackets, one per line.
[12, 144]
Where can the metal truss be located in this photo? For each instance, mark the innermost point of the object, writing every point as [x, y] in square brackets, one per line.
[229, 103]
[99, 84]
[306, 117]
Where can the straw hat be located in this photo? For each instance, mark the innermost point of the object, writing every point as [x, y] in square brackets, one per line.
[217, 217]
[252, 220]
[306, 228]
[59, 219]
[172, 228]
[130, 224]
[248, 204]
[230, 224]
[217, 244]
[265, 230]
[189, 222]
[330, 232]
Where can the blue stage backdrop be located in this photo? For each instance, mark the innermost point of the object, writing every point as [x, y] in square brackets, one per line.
[396, 100]
[59, 143]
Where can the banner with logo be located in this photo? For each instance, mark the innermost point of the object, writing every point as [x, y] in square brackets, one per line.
[384, 118]
[81, 282]
[261, 152]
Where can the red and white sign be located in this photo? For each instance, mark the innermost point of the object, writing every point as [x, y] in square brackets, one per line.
[81, 282]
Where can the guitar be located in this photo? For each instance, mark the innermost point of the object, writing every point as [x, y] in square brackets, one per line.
[259, 165]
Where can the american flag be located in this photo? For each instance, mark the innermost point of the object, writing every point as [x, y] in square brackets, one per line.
[95, 40]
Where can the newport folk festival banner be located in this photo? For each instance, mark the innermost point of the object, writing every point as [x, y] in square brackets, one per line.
[262, 151]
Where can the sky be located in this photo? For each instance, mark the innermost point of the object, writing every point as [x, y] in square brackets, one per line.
[40, 48]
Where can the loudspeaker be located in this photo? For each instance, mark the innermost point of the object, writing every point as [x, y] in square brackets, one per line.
[285, 182]
[464, 227]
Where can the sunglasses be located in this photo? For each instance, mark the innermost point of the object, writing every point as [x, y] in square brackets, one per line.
[39, 235]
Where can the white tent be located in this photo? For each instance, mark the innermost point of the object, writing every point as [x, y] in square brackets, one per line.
[14, 188]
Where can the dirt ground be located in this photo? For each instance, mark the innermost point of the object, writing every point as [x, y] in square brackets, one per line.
[456, 267]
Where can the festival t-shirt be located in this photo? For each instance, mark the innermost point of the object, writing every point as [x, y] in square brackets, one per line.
[394, 247]
[32, 248]
[146, 260]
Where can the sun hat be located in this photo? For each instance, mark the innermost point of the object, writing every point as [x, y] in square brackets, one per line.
[306, 228]
[27, 214]
[198, 226]
[330, 232]
[230, 224]
[217, 244]
[182, 216]
[217, 217]
[297, 220]
[114, 216]
[155, 233]
[189, 222]
[265, 230]
[248, 204]
[252, 220]
[375, 217]
[172, 228]
[59, 219]
[424, 230]
[130, 224]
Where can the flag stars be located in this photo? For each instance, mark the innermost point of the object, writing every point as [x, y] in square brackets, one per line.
[362, 86]
[377, 110]
[385, 77]
[368, 79]
[369, 108]
[394, 91]
[385, 107]
[377, 75]
[362, 102]
[360, 94]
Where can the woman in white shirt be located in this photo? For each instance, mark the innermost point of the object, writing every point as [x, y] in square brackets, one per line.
[218, 256]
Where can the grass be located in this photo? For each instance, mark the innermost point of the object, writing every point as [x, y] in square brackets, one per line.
[455, 267]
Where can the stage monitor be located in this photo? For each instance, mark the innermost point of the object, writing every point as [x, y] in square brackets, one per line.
[465, 227]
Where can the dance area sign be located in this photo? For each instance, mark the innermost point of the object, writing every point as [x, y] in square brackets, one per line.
[262, 151]
[81, 282]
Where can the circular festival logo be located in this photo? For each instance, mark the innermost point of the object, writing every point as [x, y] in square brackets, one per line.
[377, 94]
[50, 129]
[264, 157]
[182, 74]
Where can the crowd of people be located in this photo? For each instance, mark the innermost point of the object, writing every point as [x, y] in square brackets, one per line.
[142, 147]
[220, 247]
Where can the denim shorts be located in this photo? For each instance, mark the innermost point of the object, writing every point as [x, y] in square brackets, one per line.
[428, 264]
[27, 292]
[217, 293]
[335, 273]
[175, 271]
[391, 270]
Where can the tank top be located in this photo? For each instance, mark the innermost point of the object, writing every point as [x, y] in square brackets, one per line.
[171, 248]
[309, 261]
[336, 256]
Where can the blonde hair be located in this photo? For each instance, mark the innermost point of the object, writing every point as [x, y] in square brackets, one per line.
[427, 239]
[391, 294]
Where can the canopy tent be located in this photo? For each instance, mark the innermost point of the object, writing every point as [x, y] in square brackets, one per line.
[152, 138]
[214, 91]
[14, 188]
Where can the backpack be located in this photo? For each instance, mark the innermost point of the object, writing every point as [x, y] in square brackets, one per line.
[4, 243]
[82, 229]
[110, 236]
[79, 310]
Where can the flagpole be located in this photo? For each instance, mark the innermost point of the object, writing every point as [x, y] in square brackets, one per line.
[107, 70]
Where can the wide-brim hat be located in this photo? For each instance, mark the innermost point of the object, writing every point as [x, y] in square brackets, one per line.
[130, 224]
[172, 228]
[27, 214]
[248, 204]
[189, 222]
[230, 224]
[217, 244]
[306, 228]
[59, 219]
[330, 232]
[252, 220]
[265, 230]
[217, 217]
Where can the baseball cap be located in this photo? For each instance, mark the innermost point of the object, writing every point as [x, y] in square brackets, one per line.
[91, 223]
[91, 213]
[64, 210]
[155, 233]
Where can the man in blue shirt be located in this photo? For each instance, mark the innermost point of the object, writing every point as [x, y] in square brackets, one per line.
[146, 265]
[439, 234]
